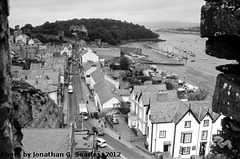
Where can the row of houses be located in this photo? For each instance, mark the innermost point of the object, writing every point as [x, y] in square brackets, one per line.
[179, 128]
[170, 125]
[42, 52]
[47, 77]
[105, 90]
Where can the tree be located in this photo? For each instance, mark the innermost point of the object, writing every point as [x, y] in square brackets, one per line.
[124, 63]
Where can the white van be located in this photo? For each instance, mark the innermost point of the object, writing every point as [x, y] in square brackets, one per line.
[70, 89]
[101, 142]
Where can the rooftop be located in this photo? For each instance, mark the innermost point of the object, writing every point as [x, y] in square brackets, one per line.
[45, 140]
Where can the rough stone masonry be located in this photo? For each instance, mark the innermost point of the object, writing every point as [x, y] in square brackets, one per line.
[10, 131]
[220, 23]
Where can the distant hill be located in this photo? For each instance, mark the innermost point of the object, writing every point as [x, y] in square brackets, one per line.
[188, 30]
[170, 25]
[108, 30]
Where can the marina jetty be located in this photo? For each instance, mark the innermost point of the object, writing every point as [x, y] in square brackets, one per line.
[164, 63]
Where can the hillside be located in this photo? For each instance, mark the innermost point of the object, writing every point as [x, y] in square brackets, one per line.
[108, 30]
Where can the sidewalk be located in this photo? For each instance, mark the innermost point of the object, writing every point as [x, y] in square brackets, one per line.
[119, 130]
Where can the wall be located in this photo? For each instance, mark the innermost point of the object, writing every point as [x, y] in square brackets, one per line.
[90, 56]
[53, 96]
[8, 121]
[217, 125]
[157, 142]
[115, 83]
[209, 134]
[194, 129]
[109, 104]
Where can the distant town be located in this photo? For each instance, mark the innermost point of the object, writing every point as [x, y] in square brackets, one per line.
[94, 100]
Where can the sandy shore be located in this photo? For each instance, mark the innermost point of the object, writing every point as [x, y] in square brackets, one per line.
[200, 73]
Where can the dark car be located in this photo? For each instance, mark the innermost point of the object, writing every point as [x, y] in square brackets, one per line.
[114, 120]
[98, 131]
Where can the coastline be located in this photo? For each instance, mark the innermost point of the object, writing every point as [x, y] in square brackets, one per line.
[194, 75]
[141, 40]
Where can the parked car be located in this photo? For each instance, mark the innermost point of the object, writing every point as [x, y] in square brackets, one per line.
[70, 89]
[101, 142]
[114, 120]
[99, 132]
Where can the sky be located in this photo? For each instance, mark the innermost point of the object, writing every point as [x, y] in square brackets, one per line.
[37, 12]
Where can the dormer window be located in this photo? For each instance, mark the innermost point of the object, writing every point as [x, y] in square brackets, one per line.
[187, 124]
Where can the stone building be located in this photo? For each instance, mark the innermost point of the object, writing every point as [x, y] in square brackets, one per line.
[220, 23]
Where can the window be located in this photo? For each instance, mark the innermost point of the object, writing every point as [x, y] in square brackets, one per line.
[184, 150]
[219, 131]
[206, 123]
[187, 124]
[162, 134]
[186, 137]
[204, 135]
[194, 148]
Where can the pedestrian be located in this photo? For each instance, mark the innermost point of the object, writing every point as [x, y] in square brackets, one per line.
[119, 136]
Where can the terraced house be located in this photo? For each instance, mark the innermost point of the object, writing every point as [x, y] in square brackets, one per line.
[140, 96]
[182, 128]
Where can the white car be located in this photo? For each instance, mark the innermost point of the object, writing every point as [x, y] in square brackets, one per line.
[101, 142]
[70, 89]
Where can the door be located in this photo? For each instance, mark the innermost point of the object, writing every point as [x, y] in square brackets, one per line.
[202, 151]
[166, 147]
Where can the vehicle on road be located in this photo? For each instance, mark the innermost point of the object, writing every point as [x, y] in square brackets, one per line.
[101, 142]
[98, 131]
[76, 72]
[70, 89]
[83, 110]
[114, 120]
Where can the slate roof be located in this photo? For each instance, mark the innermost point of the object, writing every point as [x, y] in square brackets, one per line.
[45, 140]
[87, 50]
[149, 88]
[88, 65]
[201, 108]
[16, 68]
[97, 75]
[122, 92]
[35, 66]
[168, 112]
[54, 76]
[47, 88]
[104, 90]
[174, 111]
[104, 94]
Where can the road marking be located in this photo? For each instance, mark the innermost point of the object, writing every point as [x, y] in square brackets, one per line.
[110, 147]
[123, 157]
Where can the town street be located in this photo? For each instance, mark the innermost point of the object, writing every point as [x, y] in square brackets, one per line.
[115, 149]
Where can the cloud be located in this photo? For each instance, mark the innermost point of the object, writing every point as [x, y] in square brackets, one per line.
[37, 12]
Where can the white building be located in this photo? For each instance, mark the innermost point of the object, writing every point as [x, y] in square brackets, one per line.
[87, 55]
[139, 99]
[22, 38]
[67, 50]
[182, 128]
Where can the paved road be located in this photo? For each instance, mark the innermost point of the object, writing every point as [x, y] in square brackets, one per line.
[76, 97]
[115, 149]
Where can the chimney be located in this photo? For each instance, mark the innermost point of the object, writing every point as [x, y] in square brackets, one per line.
[162, 96]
